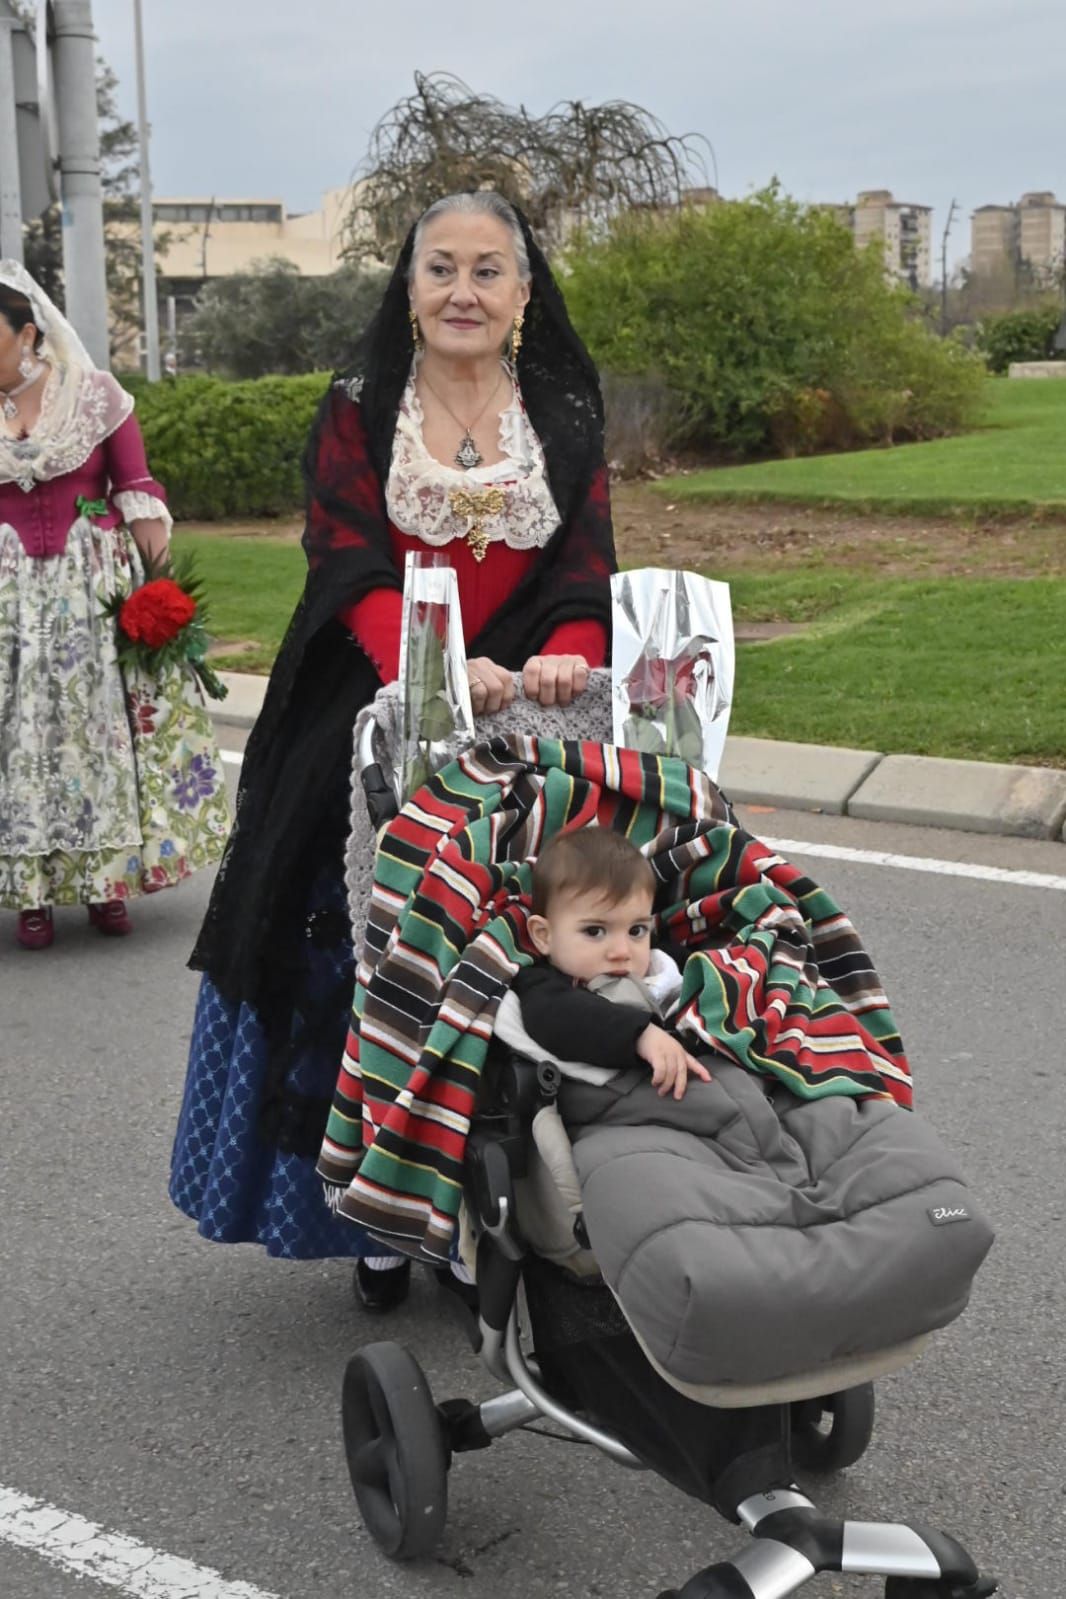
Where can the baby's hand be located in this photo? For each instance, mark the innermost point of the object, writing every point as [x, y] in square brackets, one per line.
[671, 1064]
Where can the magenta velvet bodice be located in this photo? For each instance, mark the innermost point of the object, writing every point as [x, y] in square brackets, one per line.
[42, 518]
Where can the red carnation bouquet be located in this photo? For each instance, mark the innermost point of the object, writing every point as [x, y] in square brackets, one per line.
[157, 613]
[163, 623]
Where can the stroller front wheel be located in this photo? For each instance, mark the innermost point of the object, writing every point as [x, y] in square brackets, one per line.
[850, 1414]
[395, 1446]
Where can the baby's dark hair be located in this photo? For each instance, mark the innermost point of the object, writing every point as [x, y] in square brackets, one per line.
[589, 860]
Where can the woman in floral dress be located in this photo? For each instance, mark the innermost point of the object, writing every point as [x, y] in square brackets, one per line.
[110, 779]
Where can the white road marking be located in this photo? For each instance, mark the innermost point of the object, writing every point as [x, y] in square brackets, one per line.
[876, 857]
[110, 1558]
[919, 863]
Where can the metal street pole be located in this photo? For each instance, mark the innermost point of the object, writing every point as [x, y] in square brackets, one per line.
[84, 269]
[944, 273]
[151, 303]
[10, 187]
[172, 335]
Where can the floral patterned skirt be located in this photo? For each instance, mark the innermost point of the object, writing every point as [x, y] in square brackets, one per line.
[110, 783]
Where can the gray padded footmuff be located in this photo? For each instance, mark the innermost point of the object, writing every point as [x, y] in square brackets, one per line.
[749, 1235]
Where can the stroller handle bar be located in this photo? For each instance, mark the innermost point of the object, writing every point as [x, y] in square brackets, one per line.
[589, 716]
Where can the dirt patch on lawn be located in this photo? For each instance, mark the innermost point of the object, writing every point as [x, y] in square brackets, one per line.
[653, 530]
[241, 646]
[286, 528]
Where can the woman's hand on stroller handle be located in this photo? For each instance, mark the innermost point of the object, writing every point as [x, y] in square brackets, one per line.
[671, 1064]
[555, 679]
[546, 680]
[491, 686]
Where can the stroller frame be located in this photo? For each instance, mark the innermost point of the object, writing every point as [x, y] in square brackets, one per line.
[399, 1442]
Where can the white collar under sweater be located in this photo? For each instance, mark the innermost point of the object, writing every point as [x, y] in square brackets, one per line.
[659, 989]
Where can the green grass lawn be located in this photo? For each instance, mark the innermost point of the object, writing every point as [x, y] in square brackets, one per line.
[966, 667]
[970, 668]
[1015, 461]
[251, 586]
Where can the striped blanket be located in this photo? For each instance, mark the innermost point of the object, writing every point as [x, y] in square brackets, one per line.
[776, 977]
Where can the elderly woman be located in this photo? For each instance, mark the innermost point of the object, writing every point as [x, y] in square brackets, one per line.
[471, 424]
[110, 783]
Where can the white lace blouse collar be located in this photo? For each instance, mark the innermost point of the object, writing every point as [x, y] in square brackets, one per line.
[510, 500]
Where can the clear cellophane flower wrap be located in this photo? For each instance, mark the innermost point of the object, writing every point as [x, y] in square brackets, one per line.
[672, 664]
[435, 693]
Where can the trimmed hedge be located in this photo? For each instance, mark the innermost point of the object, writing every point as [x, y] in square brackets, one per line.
[1027, 335]
[228, 449]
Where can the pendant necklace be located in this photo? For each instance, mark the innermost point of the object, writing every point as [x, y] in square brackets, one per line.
[11, 410]
[467, 456]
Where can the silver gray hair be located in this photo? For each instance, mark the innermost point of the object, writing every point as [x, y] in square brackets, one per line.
[482, 202]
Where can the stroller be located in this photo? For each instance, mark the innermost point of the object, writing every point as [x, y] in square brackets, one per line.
[570, 1351]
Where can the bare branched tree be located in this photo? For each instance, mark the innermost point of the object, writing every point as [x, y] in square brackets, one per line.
[577, 165]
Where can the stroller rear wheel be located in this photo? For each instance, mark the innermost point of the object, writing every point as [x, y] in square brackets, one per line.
[397, 1456]
[819, 1447]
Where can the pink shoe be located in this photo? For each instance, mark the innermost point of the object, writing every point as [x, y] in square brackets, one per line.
[35, 929]
[110, 918]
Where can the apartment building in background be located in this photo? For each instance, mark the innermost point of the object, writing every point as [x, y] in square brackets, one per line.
[902, 231]
[1029, 233]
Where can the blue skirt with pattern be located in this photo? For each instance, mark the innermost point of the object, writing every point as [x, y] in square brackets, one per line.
[236, 1184]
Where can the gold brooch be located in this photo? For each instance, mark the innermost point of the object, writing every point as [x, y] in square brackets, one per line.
[477, 505]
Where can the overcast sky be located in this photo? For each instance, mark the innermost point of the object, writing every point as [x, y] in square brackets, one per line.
[933, 99]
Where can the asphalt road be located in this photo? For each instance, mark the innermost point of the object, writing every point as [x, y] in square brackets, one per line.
[187, 1395]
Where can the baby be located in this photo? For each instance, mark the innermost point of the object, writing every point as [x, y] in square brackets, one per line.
[598, 999]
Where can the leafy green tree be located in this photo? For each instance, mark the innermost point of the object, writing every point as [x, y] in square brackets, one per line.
[768, 326]
[273, 320]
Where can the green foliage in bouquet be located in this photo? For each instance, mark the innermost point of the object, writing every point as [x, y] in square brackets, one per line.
[428, 715]
[663, 716]
[163, 623]
[681, 736]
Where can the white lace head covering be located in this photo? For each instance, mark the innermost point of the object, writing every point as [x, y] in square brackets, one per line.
[59, 343]
[81, 405]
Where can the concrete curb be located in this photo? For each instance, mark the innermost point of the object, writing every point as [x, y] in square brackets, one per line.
[243, 702]
[798, 777]
[974, 796]
[924, 791]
